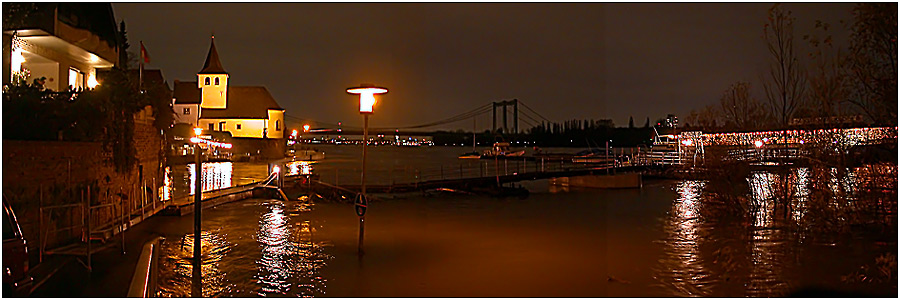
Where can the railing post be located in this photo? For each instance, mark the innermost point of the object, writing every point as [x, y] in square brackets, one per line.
[122, 225]
[155, 194]
[505, 166]
[41, 223]
[143, 201]
[89, 219]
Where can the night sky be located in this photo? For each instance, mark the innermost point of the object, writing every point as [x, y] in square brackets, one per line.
[564, 60]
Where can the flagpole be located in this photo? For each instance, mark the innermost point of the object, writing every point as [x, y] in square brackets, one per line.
[141, 70]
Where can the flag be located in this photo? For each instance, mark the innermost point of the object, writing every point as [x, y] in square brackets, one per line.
[144, 56]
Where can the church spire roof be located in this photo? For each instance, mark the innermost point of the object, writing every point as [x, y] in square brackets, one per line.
[212, 65]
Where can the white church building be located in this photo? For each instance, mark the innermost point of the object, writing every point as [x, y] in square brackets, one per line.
[210, 103]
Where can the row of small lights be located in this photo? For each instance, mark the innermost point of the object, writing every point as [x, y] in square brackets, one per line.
[197, 140]
[744, 138]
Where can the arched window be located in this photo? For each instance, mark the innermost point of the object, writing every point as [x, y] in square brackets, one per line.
[206, 82]
[217, 81]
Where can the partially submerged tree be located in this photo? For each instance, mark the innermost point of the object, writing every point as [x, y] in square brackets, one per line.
[740, 110]
[872, 61]
[786, 82]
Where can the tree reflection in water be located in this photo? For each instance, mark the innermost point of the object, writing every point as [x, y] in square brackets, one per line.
[707, 252]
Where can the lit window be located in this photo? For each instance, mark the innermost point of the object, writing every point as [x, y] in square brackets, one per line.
[76, 78]
[187, 111]
[206, 82]
[217, 81]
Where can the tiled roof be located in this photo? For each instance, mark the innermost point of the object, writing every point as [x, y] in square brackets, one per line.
[150, 77]
[186, 92]
[244, 102]
[212, 65]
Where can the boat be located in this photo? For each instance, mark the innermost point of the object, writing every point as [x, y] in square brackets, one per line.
[474, 154]
[306, 154]
[470, 155]
[502, 150]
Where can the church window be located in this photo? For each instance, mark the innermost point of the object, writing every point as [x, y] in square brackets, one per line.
[217, 81]
[206, 82]
[187, 111]
[211, 128]
[239, 126]
[277, 125]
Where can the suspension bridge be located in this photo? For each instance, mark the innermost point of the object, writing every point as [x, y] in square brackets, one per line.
[527, 116]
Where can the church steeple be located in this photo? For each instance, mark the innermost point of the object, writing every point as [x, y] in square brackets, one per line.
[213, 81]
[212, 65]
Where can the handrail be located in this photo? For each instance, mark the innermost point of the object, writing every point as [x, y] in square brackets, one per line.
[143, 282]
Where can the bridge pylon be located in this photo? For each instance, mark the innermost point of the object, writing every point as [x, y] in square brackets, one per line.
[515, 104]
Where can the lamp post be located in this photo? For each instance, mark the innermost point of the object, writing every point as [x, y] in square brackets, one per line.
[366, 94]
[196, 276]
[196, 286]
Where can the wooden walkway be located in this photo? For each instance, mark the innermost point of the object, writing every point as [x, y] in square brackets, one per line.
[298, 182]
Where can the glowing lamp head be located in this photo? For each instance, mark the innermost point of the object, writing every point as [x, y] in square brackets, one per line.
[366, 94]
[198, 131]
[92, 81]
[294, 133]
[306, 128]
[687, 142]
[758, 144]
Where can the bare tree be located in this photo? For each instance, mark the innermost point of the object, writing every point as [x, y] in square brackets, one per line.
[827, 80]
[708, 118]
[872, 61]
[786, 82]
[739, 109]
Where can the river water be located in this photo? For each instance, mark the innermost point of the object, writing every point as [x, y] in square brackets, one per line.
[558, 242]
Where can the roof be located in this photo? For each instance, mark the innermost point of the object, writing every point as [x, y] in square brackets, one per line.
[186, 92]
[212, 65]
[244, 102]
[150, 77]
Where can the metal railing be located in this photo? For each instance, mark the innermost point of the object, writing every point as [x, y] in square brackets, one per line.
[144, 281]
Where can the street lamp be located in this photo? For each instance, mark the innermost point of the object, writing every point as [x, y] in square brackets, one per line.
[366, 94]
[199, 143]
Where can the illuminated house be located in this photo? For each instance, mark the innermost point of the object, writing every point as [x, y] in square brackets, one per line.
[210, 103]
[65, 43]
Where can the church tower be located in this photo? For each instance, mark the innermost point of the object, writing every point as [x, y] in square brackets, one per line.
[213, 80]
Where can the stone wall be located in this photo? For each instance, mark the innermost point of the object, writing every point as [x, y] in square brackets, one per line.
[52, 173]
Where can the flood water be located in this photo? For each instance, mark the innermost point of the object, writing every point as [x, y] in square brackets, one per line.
[558, 242]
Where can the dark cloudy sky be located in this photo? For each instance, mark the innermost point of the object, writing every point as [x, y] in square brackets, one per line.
[583, 60]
